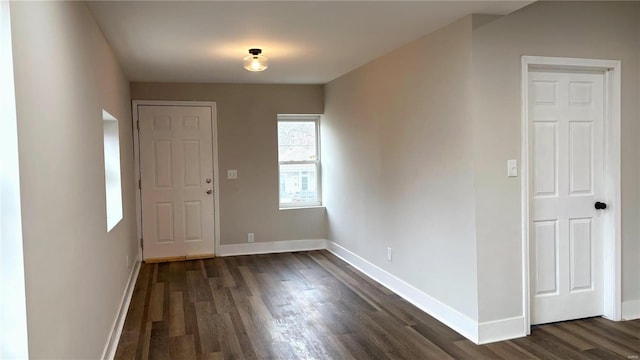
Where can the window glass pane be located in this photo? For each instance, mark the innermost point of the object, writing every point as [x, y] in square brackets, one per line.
[296, 141]
[298, 183]
[112, 179]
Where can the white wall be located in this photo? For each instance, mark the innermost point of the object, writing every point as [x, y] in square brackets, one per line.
[601, 30]
[65, 74]
[397, 144]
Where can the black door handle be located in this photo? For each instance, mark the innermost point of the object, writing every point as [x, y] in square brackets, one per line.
[600, 205]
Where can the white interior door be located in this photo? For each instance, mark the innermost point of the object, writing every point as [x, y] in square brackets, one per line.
[566, 153]
[176, 171]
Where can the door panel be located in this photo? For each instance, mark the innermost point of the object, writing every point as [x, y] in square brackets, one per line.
[176, 172]
[164, 222]
[191, 151]
[163, 164]
[544, 158]
[192, 218]
[580, 254]
[546, 240]
[566, 116]
[580, 158]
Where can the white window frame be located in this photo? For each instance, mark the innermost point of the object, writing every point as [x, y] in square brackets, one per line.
[112, 170]
[14, 343]
[317, 162]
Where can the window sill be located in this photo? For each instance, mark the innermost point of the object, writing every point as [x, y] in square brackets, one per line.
[302, 207]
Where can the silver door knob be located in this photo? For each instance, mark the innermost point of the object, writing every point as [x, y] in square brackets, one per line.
[209, 191]
[208, 180]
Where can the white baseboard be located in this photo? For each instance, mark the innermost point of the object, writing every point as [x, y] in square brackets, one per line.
[479, 333]
[499, 330]
[271, 247]
[451, 317]
[631, 309]
[109, 351]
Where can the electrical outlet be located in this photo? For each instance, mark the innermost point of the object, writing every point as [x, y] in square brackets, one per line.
[232, 174]
[388, 254]
[250, 237]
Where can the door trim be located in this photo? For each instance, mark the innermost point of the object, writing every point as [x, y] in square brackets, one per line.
[214, 146]
[612, 220]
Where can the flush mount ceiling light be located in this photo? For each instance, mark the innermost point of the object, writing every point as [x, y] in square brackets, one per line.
[255, 61]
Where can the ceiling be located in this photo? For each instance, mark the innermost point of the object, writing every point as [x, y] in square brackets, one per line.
[307, 42]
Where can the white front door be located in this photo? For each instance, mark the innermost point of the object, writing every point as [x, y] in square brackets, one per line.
[176, 171]
[566, 153]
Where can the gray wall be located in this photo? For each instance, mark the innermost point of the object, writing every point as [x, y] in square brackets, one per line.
[247, 141]
[415, 147]
[75, 272]
[398, 165]
[566, 29]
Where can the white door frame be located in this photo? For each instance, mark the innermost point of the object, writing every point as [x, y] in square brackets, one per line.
[214, 146]
[612, 224]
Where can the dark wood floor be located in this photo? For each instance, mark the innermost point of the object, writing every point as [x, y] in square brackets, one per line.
[312, 305]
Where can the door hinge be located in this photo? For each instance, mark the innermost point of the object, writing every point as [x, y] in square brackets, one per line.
[138, 124]
[141, 244]
[140, 184]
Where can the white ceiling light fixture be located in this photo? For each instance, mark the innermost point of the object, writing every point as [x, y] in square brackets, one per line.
[256, 61]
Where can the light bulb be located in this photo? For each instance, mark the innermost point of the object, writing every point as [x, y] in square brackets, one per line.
[255, 63]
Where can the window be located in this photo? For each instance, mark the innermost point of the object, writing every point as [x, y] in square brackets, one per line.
[299, 160]
[13, 309]
[304, 181]
[112, 181]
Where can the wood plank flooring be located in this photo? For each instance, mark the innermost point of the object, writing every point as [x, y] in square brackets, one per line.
[312, 305]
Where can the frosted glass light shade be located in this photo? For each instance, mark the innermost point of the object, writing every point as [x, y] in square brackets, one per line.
[256, 62]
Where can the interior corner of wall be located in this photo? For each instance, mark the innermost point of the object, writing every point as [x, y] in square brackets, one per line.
[631, 310]
[479, 20]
